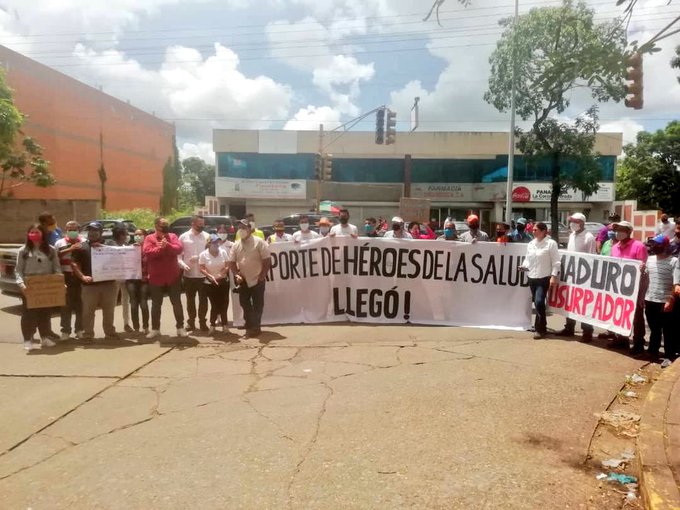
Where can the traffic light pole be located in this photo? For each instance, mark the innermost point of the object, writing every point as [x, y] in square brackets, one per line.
[319, 177]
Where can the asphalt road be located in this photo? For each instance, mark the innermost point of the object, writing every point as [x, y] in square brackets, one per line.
[336, 416]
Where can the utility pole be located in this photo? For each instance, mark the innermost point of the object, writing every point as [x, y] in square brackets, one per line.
[511, 135]
[320, 171]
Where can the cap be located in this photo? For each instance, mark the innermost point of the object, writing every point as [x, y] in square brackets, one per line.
[472, 217]
[244, 223]
[397, 219]
[623, 224]
[95, 225]
[214, 238]
[578, 217]
[450, 223]
[521, 221]
[324, 222]
[661, 239]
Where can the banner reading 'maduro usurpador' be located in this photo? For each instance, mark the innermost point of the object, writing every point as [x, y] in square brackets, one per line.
[394, 281]
[597, 290]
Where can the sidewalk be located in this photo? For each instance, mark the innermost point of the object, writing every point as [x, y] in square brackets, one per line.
[659, 442]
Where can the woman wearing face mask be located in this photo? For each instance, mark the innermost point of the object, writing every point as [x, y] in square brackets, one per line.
[304, 235]
[36, 257]
[65, 248]
[449, 231]
[542, 264]
[138, 290]
[324, 226]
[213, 265]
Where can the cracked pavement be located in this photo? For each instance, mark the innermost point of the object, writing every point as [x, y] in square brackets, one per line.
[333, 416]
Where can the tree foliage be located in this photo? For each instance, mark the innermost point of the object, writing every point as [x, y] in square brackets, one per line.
[650, 172]
[556, 51]
[198, 179]
[675, 63]
[21, 157]
[171, 181]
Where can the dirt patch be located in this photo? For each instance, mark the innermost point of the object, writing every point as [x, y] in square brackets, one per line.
[612, 456]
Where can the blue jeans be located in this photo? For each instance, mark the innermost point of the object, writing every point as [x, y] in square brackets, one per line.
[539, 293]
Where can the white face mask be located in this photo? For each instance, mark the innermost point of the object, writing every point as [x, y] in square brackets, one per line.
[574, 227]
[304, 227]
[621, 235]
[222, 236]
[324, 230]
[252, 225]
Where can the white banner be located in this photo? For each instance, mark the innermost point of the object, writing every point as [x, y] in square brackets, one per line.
[396, 281]
[230, 187]
[116, 263]
[597, 290]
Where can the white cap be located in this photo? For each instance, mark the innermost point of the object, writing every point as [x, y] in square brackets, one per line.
[397, 219]
[578, 217]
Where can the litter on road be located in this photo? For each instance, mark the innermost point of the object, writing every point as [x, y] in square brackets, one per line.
[636, 379]
[620, 478]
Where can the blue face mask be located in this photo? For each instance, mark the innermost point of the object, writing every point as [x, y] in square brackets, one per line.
[611, 234]
[368, 227]
[448, 232]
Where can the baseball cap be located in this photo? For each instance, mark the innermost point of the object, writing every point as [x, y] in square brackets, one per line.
[214, 238]
[521, 221]
[578, 217]
[244, 223]
[94, 225]
[450, 223]
[397, 219]
[324, 222]
[661, 239]
[624, 224]
[472, 218]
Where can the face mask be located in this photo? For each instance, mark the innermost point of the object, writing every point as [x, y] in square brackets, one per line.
[574, 227]
[448, 232]
[621, 235]
[396, 227]
[165, 229]
[368, 227]
[611, 234]
[324, 230]
[35, 237]
[520, 228]
[280, 231]
[222, 236]
[658, 250]
[93, 236]
[304, 227]
[474, 226]
[72, 234]
[500, 233]
[344, 220]
[139, 239]
[252, 225]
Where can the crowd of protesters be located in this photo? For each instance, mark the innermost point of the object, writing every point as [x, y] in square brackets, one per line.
[199, 263]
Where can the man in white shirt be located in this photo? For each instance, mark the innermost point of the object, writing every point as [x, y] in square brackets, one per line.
[397, 231]
[194, 243]
[279, 235]
[249, 260]
[580, 241]
[304, 235]
[666, 226]
[344, 228]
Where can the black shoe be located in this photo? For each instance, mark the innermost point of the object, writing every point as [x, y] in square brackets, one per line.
[204, 327]
[191, 326]
[606, 335]
[587, 337]
[53, 336]
[565, 332]
[538, 336]
[128, 329]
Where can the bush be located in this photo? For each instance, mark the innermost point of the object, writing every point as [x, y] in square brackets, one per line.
[143, 218]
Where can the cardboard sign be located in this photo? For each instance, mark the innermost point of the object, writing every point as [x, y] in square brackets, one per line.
[45, 291]
[414, 209]
[116, 263]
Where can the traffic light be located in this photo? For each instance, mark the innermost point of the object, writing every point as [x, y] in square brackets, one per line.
[327, 167]
[318, 166]
[380, 126]
[634, 75]
[391, 128]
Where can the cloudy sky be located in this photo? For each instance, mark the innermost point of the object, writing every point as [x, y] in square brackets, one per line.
[291, 64]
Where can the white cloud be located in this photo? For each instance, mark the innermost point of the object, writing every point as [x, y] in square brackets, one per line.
[309, 118]
[629, 127]
[203, 150]
[340, 79]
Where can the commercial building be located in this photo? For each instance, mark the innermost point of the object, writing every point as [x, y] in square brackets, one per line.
[272, 174]
[82, 129]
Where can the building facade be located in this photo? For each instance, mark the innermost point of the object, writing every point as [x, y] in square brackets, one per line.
[82, 129]
[272, 174]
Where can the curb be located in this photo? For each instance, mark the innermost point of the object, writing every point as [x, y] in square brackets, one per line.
[659, 442]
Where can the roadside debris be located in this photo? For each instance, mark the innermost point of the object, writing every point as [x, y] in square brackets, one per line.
[636, 379]
[666, 363]
[622, 459]
[623, 421]
[622, 479]
[630, 394]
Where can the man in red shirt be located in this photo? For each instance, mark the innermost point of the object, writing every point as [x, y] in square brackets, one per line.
[629, 248]
[161, 249]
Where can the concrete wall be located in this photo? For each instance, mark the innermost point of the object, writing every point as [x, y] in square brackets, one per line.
[17, 215]
[68, 117]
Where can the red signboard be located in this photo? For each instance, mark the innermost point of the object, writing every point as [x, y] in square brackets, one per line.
[521, 194]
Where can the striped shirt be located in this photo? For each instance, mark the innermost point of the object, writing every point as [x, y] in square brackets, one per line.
[660, 278]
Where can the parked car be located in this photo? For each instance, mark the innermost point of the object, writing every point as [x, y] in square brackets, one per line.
[8, 261]
[183, 224]
[107, 226]
[292, 223]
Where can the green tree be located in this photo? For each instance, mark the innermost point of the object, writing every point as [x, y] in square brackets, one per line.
[21, 158]
[649, 172]
[198, 177]
[675, 63]
[171, 182]
[556, 51]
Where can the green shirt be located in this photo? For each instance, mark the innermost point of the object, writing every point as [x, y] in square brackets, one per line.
[606, 249]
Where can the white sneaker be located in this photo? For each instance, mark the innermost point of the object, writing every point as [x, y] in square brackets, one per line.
[225, 329]
[28, 345]
[212, 330]
[80, 334]
[46, 342]
[181, 332]
[64, 336]
[153, 333]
